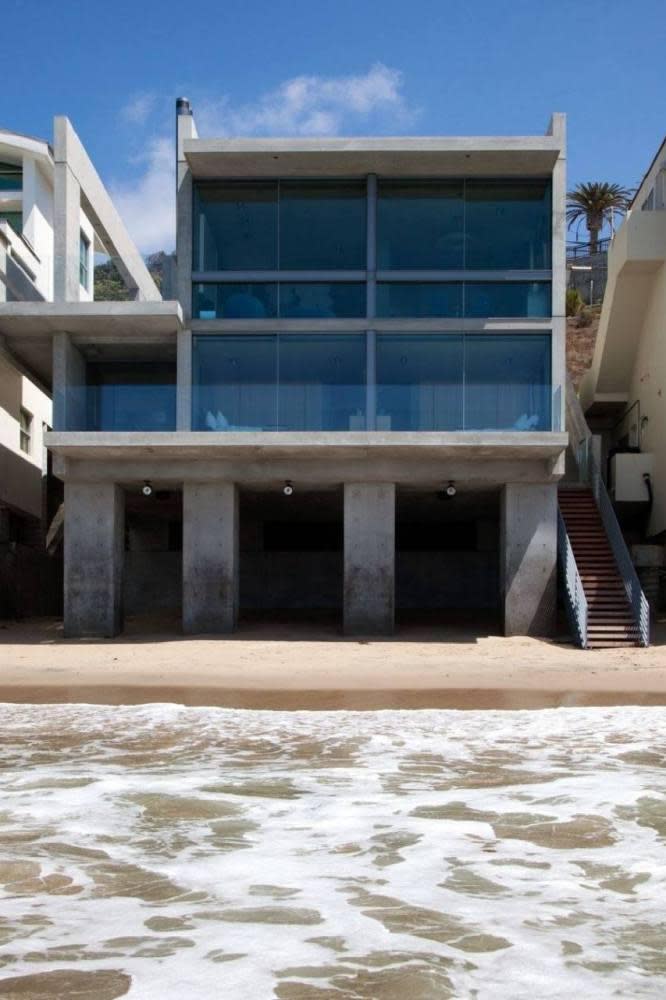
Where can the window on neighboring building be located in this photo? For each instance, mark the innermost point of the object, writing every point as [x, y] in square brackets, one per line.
[25, 423]
[15, 220]
[11, 177]
[84, 261]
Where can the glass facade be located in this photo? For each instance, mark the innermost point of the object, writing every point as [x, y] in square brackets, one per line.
[279, 382]
[322, 225]
[507, 224]
[450, 382]
[424, 382]
[268, 300]
[235, 226]
[420, 299]
[420, 224]
[131, 396]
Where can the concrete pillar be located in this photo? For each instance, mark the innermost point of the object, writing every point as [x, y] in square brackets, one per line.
[528, 558]
[69, 385]
[369, 577]
[67, 234]
[184, 381]
[94, 557]
[210, 557]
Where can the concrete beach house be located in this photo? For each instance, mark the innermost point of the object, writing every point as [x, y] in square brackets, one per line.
[355, 403]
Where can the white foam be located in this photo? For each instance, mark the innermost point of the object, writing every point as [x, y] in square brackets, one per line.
[381, 803]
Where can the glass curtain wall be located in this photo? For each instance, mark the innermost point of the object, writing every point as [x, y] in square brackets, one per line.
[280, 382]
[131, 396]
[299, 249]
[438, 382]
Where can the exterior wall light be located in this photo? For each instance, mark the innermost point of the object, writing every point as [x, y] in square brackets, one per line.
[451, 489]
[288, 489]
[147, 489]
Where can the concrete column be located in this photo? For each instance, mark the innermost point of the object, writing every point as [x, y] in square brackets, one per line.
[69, 385]
[184, 381]
[528, 558]
[210, 557]
[67, 234]
[94, 557]
[369, 578]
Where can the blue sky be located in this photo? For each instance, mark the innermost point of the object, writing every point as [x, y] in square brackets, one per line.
[345, 67]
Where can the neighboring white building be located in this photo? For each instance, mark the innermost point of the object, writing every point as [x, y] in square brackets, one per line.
[50, 231]
[624, 393]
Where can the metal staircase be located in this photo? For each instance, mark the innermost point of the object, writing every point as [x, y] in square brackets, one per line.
[604, 600]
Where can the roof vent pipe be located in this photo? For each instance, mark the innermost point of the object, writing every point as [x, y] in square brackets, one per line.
[183, 106]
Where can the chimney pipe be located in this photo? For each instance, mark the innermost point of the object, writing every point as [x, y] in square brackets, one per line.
[183, 106]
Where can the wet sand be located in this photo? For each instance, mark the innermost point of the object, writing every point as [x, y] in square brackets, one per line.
[283, 666]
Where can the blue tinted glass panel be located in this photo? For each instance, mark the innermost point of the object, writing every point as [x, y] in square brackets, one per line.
[340, 299]
[131, 397]
[510, 298]
[419, 299]
[234, 300]
[322, 225]
[508, 224]
[11, 177]
[235, 226]
[419, 382]
[234, 383]
[420, 224]
[508, 382]
[15, 220]
[322, 382]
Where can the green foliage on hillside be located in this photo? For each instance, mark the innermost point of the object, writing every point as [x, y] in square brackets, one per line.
[109, 285]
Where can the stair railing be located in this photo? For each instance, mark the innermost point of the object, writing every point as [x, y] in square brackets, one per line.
[590, 473]
[576, 601]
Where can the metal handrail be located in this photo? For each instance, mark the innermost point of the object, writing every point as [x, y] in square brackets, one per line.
[589, 473]
[576, 601]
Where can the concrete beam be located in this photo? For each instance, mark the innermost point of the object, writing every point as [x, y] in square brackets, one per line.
[78, 185]
[94, 556]
[369, 558]
[210, 557]
[528, 554]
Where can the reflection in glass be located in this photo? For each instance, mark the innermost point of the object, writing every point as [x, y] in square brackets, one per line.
[420, 224]
[131, 396]
[322, 225]
[507, 224]
[318, 299]
[509, 298]
[508, 382]
[234, 383]
[234, 300]
[279, 382]
[419, 299]
[235, 226]
[419, 382]
[322, 382]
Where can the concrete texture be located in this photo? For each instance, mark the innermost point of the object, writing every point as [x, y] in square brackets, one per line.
[77, 187]
[69, 385]
[94, 556]
[528, 558]
[210, 557]
[369, 553]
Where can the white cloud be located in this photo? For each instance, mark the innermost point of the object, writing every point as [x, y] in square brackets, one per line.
[313, 105]
[138, 109]
[303, 105]
[147, 204]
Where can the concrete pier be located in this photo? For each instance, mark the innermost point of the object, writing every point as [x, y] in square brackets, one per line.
[94, 557]
[210, 557]
[528, 550]
[369, 554]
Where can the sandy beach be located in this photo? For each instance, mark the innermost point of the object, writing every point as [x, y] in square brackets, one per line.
[301, 666]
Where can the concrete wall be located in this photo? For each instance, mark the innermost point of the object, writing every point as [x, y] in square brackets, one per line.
[20, 473]
[648, 384]
[69, 385]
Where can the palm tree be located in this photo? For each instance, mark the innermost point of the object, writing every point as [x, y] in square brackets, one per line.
[596, 203]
